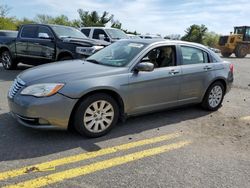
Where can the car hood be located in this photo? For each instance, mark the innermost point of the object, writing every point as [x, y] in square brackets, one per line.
[86, 42]
[67, 71]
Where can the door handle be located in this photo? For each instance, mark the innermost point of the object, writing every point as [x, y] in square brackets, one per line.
[208, 68]
[173, 72]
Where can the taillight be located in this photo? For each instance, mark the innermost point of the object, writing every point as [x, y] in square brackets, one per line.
[231, 67]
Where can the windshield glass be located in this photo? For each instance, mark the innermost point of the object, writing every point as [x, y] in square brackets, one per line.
[67, 32]
[117, 34]
[239, 30]
[118, 54]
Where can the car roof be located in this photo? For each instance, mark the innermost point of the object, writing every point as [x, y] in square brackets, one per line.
[99, 28]
[166, 41]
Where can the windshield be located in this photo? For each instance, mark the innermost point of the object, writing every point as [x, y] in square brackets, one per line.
[118, 54]
[239, 30]
[117, 34]
[67, 32]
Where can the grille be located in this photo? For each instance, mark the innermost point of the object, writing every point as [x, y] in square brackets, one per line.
[223, 40]
[16, 86]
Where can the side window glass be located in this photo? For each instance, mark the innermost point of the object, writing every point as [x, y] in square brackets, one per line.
[86, 32]
[98, 32]
[46, 30]
[192, 55]
[162, 57]
[29, 32]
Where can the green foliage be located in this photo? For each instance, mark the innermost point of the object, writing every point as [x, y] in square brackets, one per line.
[116, 24]
[7, 24]
[23, 21]
[88, 19]
[211, 39]
[195, 33]
[200, 34]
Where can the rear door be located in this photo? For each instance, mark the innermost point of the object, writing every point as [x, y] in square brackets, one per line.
[26, 34]
[197, 72]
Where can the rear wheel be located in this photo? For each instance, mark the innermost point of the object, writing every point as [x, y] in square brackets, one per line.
[96, 115]
[241, 51]
[214, 97]
[7, 61]
[226, 54]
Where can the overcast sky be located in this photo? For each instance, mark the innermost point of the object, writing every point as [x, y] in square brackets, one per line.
[146, 16]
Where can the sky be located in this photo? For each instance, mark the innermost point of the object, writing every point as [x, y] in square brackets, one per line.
[146, 16]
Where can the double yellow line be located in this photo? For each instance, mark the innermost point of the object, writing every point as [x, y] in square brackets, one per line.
[87, 169]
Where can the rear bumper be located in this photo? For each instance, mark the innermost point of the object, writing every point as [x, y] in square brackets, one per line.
[47, 113]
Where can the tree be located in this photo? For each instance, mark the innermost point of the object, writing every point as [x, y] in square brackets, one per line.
[211, 39]
[4, 10]
[89, 19]
[7, 23]
[195, 33]
[23, 21]
[116, 24]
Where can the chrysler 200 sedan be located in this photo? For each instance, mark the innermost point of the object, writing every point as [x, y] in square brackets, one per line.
[127, 78]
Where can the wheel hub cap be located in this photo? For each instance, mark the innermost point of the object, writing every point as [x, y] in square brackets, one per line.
[215, 96]
[98, 116]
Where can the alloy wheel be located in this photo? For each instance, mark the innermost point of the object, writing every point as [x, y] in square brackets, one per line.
[98, 116]
[215, 96]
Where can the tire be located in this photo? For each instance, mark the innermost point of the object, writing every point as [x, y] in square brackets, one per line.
[96, 115]
[226, 54]
[241, 51]
[64, 58]
[211, 100]
[7, 61]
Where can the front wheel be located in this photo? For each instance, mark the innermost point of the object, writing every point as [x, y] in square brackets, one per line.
[7, 61]
[226, 54]
[96, 115]
[241, 51]
[214, 97]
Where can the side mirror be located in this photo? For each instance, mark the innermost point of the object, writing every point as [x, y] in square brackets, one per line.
[145, 66]
[44, 36]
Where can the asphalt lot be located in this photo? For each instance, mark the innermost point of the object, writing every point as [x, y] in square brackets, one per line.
[185, 147]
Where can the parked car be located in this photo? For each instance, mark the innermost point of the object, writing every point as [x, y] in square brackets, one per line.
[131, 36]
[150, 37]
[127, 78]
[8, 33]
[42, 43]
[102, 33]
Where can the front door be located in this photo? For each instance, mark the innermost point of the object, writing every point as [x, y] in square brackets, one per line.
[42, 47]
[158, 89]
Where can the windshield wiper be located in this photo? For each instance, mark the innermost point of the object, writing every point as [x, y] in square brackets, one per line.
[93, 61]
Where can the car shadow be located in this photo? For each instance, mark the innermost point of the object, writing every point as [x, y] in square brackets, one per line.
[10, 75]
[18, 142]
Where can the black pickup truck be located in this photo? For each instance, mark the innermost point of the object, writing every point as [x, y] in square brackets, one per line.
[41, 43]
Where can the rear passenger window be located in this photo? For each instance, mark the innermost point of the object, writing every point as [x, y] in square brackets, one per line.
[97, 32]
[192, 55]
[86, 32]
[29, 32]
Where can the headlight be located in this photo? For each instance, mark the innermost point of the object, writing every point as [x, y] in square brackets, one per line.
[88, 50]
[42, 90]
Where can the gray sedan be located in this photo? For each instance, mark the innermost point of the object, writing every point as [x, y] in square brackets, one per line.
[127, 78]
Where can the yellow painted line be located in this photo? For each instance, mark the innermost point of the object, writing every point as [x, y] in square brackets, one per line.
[80, 157]
[246, 118]
[84, 170]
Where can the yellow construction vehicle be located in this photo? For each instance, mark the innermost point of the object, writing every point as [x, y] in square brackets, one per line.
[237, 43]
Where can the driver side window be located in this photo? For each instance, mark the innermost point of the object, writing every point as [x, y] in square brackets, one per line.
[161, 57]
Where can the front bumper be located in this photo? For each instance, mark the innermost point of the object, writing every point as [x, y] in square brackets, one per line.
[48, 112]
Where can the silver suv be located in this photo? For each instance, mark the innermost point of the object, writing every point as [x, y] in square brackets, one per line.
[129, 77]
[104, 34]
